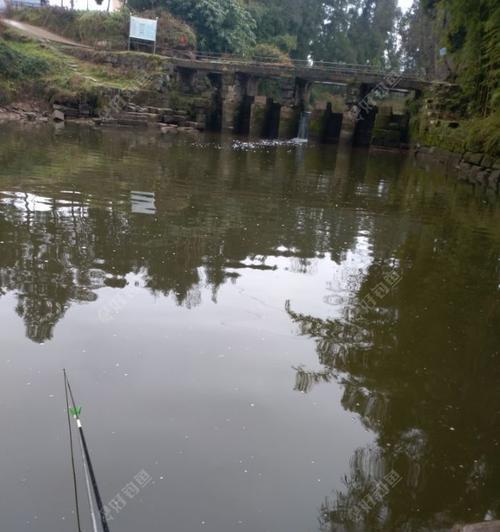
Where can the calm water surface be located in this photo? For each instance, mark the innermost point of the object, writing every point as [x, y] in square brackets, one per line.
[266, 331]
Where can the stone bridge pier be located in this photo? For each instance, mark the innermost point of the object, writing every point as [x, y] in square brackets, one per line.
[186, 79]
[231, 101]
[250, 105]
[273, 107]
[246, 91]
[365, 122]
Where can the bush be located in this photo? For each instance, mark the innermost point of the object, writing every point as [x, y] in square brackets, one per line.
[286, 43]
[268, 53]
[18, 66]
[173, 34]
[222, 26]
[94, 26]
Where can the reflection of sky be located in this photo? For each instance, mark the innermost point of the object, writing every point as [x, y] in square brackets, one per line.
[326, 287]
[405, 4]
[30, 203]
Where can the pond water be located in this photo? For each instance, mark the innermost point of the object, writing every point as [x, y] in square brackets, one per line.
[261, 337]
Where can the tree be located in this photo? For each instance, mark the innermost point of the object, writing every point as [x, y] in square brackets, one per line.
[288, 24]
[362, 31]
[418, 40]
[333, 42]
[221, 25]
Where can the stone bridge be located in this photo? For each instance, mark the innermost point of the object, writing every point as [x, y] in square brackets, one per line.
[266, 99]
[318, 72]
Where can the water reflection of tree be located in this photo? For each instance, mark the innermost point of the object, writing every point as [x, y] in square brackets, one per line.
[72, 247]
[37, 263]
[424, 380]
[214, 212]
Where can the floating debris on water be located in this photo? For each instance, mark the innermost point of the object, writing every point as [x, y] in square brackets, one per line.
[265, 143]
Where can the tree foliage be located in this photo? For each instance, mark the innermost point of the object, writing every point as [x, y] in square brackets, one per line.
[468, 29]
[363, 31]
[472, 35]
[293, 22]
[270, 53]
[221, 25]
[418, 39]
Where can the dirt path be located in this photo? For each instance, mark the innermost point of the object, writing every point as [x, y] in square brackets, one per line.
[39, 33]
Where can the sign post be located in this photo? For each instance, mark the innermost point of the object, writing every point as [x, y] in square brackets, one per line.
[143, 29]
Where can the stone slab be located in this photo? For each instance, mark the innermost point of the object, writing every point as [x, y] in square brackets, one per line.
[486, 526]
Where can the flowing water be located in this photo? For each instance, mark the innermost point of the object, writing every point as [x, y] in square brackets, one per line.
[303, 132]
[262, 337]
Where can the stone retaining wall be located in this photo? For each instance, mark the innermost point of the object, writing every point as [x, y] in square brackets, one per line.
[478, 169]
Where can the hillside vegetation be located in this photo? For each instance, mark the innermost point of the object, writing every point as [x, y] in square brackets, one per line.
[30, 70]
[468, 30]
[107, 30]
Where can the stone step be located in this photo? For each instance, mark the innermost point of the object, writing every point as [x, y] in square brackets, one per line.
[195, 125]
[135, 108]
[84, 109]
[485, 526]
[130, 115]
[58, 115]
[130, 122]
[104, 121]
[70, 112]
[178, 120]
[160, 110]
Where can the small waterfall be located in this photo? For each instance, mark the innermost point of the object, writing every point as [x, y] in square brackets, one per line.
[304, 126]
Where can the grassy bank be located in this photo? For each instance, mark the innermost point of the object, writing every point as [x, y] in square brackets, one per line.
[30, 70]
[472, 135]
[23, 66]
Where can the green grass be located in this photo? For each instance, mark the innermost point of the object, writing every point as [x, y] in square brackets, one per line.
[21, 61]
[473, 134]
[484, 134]
[22, 67]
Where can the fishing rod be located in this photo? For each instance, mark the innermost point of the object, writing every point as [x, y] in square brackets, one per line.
[85, 470]
[89, 493]
[88, 463]
[75, 487]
